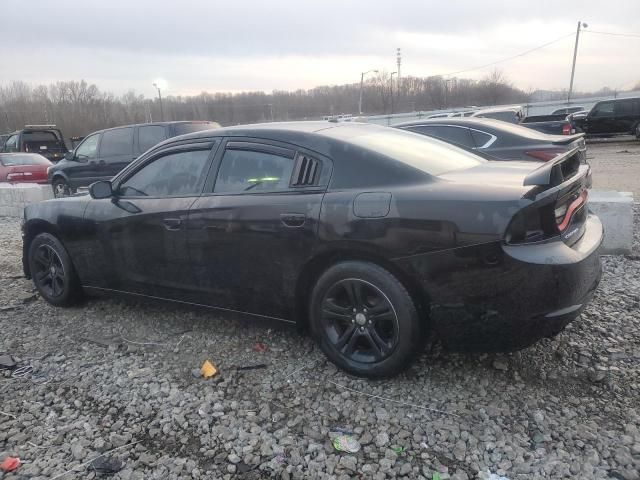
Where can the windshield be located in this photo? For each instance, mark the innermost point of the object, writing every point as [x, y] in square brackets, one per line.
[184, 128]
[424, 153]
[23, 159]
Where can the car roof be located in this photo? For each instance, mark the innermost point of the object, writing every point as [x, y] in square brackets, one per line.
[177, 122]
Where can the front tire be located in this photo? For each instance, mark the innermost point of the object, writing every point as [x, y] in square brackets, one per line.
[60, 188]
[52, 271]
[365, 321]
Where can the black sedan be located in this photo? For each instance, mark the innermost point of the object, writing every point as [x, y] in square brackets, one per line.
[497, 139]
[374, 238]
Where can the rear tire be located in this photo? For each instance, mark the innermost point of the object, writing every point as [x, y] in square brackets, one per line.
[61, 188]
[365, 321]
[52, 271]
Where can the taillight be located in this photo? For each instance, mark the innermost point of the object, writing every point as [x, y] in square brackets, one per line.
[565, 211]
[566, 129]
[544, 155]
[14, 176]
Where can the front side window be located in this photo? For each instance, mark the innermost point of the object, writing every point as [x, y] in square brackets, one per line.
[117, 142]
[88, 149]
[150, 135]
[603, 109]
[11, 145]
[246, 171]
[175, 174]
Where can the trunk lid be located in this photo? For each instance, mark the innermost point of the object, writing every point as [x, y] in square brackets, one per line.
[27, 173]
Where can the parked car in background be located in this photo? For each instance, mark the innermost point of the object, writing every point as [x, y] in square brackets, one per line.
[373, 237]
[567, 110]
[47, 140]
[102, 154]
[23, 168]
[3, 138]
[551, 124]
[506, 114]
[499, 140]
[439, 115]
[620, 116]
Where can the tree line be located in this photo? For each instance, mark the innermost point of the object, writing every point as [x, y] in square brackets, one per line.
[79, 108]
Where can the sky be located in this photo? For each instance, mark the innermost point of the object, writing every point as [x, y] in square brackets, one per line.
[222, 46]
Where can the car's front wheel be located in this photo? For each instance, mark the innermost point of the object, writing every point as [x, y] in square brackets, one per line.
[364, 320]
[61, 188]
[52, 271]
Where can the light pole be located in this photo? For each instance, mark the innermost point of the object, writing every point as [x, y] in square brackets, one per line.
[391, 90]
[155, 84]
[575, 54]
[361, 85]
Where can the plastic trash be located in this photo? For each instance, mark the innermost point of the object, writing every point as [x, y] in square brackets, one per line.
[259, 347]
[397, 450]
[346, 443]
[208, 369]
[9, 464]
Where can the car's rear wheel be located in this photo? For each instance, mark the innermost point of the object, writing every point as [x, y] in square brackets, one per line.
[61, 188]
[52, 271]
[364, 320]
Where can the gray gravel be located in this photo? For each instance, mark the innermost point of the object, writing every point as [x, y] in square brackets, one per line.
[564, 408]
[615, 163]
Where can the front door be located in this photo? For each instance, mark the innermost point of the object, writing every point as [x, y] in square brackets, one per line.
[601, 119]
[83, 169]
[250, 235]
[142, 229]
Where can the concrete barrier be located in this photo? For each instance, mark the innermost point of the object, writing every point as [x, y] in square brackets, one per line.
[15, 196]
[615, 210]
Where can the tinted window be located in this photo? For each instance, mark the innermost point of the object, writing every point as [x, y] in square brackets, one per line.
[184, 128]
[116, 142]
[11, 145]
[427, 154]
[174, 174]
[480, 138]
[602, 109]
[626, 107]
[457, 135]
[88, 148]
[23, 159]
[250, 171]
[150, 136]
[41, 141]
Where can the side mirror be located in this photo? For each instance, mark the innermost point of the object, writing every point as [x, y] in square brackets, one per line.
[101, 189]
[68, 155]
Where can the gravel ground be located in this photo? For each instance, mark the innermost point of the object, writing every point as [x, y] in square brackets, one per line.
[113, 372]
[616, 164]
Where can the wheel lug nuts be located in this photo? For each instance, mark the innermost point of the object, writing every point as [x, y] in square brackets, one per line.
[354, 310]
[353, 320]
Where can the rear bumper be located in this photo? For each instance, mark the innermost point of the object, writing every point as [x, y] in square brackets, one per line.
[494, 297]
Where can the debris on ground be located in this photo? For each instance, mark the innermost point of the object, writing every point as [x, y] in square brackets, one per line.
[7, 362]
[253, 367]
[259, 347]
[10, 464]
[346, 443]
[208, 369]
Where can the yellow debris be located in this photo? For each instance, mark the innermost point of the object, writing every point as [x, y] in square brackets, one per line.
[208, 369]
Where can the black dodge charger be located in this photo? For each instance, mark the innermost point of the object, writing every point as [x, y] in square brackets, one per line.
[374, 238]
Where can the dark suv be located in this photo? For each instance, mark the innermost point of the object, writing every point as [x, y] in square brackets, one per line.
[47, 140]
[620, 116]
[103, 154]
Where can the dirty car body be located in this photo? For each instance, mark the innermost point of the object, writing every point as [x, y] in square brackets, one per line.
[490, 255]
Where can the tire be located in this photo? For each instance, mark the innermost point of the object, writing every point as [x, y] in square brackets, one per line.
[61, 188]
[365, 321]
[52, 271]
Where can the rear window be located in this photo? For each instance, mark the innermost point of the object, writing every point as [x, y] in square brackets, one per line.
[518, 130]
[41, 140]
[23, 159]
[429, 155]
[184, 128]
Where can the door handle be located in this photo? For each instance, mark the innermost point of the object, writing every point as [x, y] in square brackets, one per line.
[293, 219]
[172, 224]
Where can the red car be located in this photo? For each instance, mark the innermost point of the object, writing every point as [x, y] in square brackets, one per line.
[23, 168]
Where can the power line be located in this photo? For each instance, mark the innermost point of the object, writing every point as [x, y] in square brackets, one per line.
[511, 57]
[614, 34]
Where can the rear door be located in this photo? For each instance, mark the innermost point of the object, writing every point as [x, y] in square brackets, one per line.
[140, 244]
[626, 115]
[256, 225]
[116, 151]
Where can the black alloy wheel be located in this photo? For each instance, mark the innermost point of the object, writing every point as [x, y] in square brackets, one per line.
[359, 321]
[52, 271]
[365, 321]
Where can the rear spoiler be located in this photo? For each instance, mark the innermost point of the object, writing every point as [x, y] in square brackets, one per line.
[551, 173]
[567, 139]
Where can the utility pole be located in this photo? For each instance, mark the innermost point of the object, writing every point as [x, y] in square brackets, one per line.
[399, 62]
[575, 55]
[159, 98]
[361, 86]
[391, 90]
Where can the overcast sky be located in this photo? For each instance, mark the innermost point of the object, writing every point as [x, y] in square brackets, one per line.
[213, 46]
